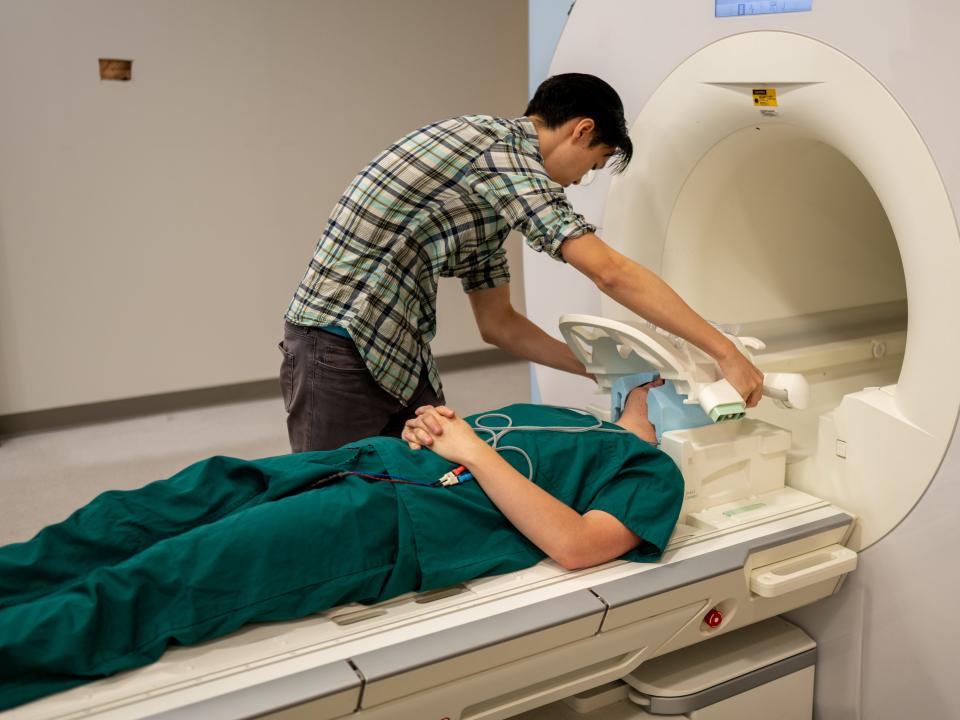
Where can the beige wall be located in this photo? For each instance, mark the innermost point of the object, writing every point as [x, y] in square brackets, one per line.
[152, 232]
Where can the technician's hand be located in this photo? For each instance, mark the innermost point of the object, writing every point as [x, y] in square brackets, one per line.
[745, 377]
[456, 441]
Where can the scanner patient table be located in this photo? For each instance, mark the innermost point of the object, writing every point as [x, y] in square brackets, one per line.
[489, 649]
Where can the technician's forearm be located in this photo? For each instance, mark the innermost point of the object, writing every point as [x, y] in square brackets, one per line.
[552, 526]
[521, 337]
[644, 292]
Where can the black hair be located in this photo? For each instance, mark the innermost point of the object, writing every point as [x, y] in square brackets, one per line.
[576, 95]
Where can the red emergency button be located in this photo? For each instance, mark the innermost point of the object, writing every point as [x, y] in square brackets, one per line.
[713, 618]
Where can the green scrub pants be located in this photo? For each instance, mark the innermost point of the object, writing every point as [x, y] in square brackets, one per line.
[222, 543]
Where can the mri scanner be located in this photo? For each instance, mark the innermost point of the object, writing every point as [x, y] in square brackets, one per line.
[824, 225]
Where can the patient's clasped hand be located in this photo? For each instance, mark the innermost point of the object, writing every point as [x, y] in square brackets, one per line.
[226, 542]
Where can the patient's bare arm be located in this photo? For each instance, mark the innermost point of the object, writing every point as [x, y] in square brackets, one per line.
[572, 540]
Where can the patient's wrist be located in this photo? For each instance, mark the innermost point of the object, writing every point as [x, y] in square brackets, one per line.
[477, 454]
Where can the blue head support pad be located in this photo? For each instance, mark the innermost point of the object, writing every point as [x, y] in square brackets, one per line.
[665, 407]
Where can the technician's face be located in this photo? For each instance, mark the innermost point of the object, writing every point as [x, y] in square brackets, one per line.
[593, 158]
[575, 157]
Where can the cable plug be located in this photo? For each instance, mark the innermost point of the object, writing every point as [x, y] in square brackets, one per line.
[456, 476]
[448, 479]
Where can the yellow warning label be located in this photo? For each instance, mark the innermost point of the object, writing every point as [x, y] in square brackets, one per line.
[765, 97]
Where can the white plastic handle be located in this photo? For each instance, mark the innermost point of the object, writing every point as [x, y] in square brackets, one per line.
[789, 390]
[802, 571]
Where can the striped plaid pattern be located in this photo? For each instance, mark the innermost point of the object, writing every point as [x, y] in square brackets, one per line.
[438, 203]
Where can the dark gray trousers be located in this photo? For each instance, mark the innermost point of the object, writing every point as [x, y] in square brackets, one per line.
[330, 396]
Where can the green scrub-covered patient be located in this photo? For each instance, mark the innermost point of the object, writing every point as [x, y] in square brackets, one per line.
[227, 542]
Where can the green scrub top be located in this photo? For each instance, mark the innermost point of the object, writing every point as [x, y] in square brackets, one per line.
[458, 531]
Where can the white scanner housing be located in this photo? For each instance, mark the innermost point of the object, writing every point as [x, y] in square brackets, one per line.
[795, 226]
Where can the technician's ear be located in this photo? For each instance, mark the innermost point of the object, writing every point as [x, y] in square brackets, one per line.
[583, 130]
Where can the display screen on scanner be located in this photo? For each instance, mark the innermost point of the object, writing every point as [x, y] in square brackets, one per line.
[725, 8]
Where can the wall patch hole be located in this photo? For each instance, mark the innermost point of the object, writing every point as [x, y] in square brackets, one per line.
[113, 69]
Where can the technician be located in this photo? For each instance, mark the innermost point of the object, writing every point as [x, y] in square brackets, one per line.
[440, 203]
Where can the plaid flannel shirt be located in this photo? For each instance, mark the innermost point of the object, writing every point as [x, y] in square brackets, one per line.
[438, 203]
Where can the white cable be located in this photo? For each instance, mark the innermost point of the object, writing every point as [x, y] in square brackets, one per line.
[496, 433]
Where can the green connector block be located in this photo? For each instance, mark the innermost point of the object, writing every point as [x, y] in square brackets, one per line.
[728, 411]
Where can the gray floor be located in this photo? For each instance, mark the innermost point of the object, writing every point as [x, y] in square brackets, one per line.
[45, 476]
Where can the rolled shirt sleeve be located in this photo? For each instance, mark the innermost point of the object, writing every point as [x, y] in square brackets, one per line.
[511, 177]
[492, 273]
